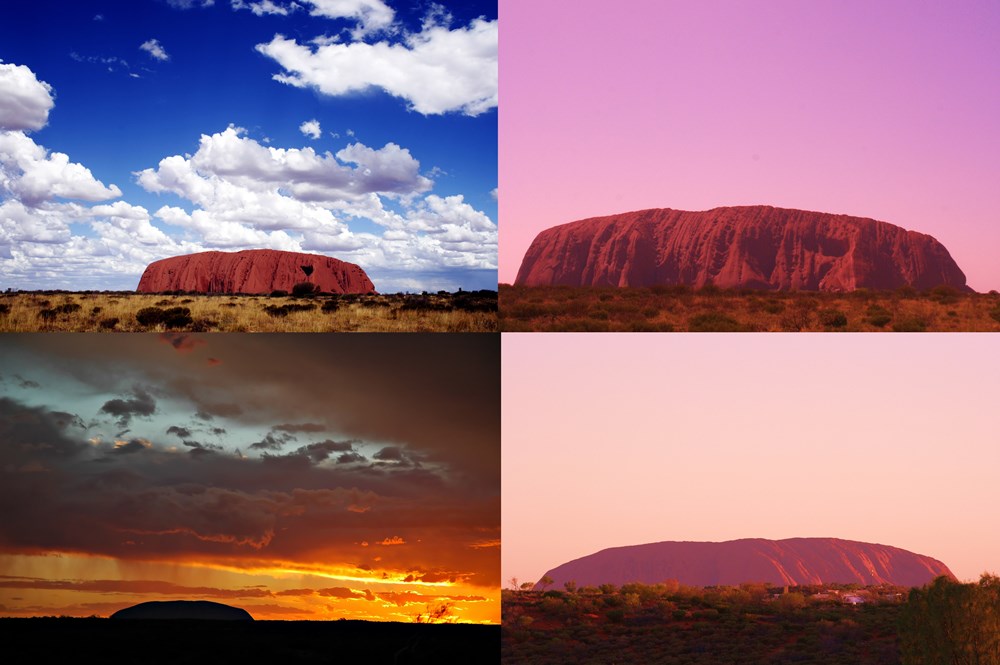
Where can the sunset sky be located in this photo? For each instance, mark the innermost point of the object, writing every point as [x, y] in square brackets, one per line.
[296, 476]
[612, 440]
[885, 110]
[133, 130]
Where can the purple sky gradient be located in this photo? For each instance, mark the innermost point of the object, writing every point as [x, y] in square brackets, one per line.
[886, 110]
[613, 440]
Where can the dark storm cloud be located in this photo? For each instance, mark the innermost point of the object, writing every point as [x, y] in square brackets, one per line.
[434, 399]
[25, 383]
[141, 404]
[130, 447]
[303, 427]
[272, 441]
[181, 432]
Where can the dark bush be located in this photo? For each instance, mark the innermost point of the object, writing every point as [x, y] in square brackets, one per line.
[174, 317]
[109, 322]
[47, 314]
[4, 308]
[714, 322]
[304, 290]
[94, 311]
[278, 293]
[330, 306]
[832, 318]
[912, 324]
[281, 311]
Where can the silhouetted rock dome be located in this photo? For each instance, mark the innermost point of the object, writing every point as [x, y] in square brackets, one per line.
[183, 609]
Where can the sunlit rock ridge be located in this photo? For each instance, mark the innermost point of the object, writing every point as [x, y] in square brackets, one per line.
[792, 561]
[252, 271]
[757, 247]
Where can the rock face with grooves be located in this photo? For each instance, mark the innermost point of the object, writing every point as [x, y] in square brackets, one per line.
[756, 247]
[183, 609]
[252, 271]
[779, 562]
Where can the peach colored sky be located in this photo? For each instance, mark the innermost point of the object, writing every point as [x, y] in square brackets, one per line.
[615, 440]
[885, 110]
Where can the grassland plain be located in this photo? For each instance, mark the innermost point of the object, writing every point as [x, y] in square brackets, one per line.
[60, 311]
[670, 624]
[681, 309]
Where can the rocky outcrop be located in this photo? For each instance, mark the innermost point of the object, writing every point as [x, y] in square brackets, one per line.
[778, 562]
[756, 247]
[252, 271]
[183, 609]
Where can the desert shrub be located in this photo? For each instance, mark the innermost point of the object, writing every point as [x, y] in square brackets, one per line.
[995, 313]
[773, 306]
[173, 317]
[94, 311]
[278, 293]
[796, 320]
[714, 322]
[281, 311]
[910, 324]
[229, 304]
[330, 306]
[47, 314]
[4, 308]
[907, 292]
[944, 294]
[187, 301]
[878, 316]
[109, 322]
[832, 318]
[163, 302]
[67, 308]
[304, 290]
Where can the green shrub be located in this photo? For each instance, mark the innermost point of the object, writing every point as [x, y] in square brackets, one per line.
[911, 324]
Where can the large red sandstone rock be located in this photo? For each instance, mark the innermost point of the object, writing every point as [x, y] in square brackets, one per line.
[252, 271]
[739, 247]
[779, 562]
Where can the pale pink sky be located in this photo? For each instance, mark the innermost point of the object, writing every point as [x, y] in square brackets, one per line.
[613, 440]
[877, 109]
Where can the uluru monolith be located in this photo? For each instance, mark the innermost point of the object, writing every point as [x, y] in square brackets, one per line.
[791, 561]
[183, 609]
[253, 271]
[757, 247]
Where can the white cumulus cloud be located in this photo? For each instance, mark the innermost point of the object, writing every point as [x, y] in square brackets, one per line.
[155, 49]
[311, 128]
[437, 70]
[25, 101]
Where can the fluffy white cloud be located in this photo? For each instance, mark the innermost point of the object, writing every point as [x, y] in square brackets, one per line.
[437, 70]
[311, 128]
[31, 174]
[265, 7]
[249, 195]
[371, 15]
[153, 48]
[25, 101]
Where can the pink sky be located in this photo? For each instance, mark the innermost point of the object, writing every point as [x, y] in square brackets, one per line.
[615, 440]
[877, 109]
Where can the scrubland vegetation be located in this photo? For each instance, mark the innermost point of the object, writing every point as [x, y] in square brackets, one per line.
[682, 309]
[303, 311]
[946, 622]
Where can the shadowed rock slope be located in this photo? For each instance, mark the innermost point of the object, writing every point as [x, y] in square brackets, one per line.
[183, 609]
[779, 562]
[756, 247]
[252, 271]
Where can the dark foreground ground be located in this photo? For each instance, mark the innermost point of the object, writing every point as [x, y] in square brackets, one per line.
[69, 640]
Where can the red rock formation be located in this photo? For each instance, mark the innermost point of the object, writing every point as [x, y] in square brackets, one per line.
[778, 562]
[252, 271]
[747, 247]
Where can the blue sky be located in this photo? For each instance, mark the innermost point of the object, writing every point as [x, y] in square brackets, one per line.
[135, 130]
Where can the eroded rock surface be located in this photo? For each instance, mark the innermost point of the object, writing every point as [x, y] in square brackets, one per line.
[756, 247]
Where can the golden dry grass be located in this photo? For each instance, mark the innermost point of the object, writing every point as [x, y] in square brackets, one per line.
[116, 312]
[666, 309]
